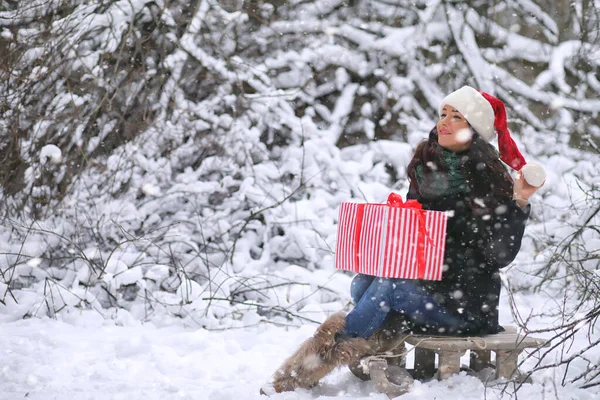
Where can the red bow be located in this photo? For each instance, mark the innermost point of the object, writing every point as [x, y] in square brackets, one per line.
[395, 200]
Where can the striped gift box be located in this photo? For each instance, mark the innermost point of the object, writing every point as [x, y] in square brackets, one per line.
[391, 241]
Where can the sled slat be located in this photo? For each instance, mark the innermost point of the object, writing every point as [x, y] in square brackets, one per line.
[508, 340]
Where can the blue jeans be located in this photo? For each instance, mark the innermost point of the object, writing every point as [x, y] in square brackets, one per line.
[375, 297]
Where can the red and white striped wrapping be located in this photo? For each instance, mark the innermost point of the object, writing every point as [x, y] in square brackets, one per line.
[391, 241]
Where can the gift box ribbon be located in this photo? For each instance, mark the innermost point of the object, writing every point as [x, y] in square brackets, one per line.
[395, 200]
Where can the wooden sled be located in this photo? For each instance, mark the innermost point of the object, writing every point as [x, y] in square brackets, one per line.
[389, 374]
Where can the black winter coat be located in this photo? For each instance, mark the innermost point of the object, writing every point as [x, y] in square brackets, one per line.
[476, 249]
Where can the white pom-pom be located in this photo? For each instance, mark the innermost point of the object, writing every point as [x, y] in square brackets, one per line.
[534, 174]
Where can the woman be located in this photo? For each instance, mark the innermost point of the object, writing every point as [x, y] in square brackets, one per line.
[455, 170]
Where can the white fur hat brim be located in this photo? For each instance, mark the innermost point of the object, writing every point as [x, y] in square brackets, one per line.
[475, 108]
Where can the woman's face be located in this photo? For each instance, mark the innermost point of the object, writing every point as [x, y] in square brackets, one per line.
[453, 130]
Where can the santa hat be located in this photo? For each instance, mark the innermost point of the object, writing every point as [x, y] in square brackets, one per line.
[487, 115]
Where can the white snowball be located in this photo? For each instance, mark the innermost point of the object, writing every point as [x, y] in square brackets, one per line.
[50, 152]
[534, 174]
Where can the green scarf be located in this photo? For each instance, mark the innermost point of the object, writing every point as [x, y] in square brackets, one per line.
[442, 183]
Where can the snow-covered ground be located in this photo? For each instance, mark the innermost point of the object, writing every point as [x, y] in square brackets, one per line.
[86, 356]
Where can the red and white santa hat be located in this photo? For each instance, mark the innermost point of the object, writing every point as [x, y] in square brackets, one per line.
[487, 115]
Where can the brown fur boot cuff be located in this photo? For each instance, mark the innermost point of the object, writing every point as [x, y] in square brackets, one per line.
[319, 355]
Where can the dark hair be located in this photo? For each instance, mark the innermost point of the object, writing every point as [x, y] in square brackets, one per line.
[487, 177]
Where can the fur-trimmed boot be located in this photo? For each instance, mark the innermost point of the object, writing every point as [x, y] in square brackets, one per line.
[319, 355]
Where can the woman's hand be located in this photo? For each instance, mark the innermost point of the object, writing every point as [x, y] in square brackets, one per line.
[522, 190]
